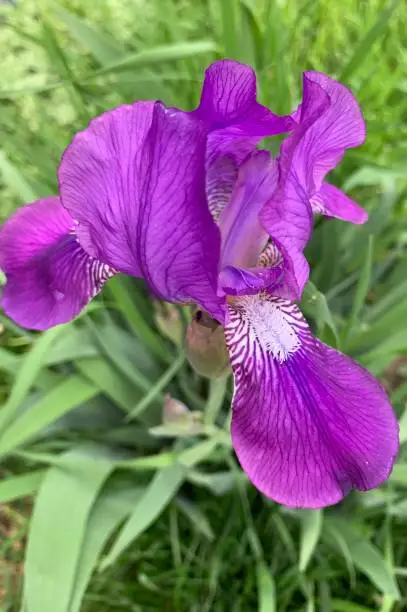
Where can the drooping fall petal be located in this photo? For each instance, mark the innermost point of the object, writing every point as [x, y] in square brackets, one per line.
[50, 278]
[308, 423]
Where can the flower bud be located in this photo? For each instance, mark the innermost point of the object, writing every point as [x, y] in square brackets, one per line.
[178, 420]
[205, 346]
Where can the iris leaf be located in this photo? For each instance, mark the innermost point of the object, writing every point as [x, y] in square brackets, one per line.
[105, 378]
[157, 389]
[115, 502]
[70, 490]
[158, 494]
[217, 392]
[361, 289]
[160, 54]
[196, 517]
[30, 368]
[15, 487]
[15, 180]
[367, 558]
[118, 289]
[72, 392]
[315, 305]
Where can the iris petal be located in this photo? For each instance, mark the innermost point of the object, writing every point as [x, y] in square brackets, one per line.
[332, 202]
[135, 182]
[243, 237]
[341, 126]
[308, 422]
[328, 122]
[230, 111]
[50, 278]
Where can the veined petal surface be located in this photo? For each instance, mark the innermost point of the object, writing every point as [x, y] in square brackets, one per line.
[308, 422]
[231, 113]
[332, 202]
[243, 237]
[50, 278]
[135, 182]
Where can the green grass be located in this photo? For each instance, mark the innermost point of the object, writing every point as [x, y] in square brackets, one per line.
[171, 524]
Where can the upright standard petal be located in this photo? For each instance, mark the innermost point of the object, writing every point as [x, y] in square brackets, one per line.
[134, 180]
[231, 113]
[50, 278]
[308, 422]
[341, 126]
[329, 121]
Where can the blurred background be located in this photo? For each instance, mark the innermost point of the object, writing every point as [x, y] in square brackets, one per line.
[107, 503]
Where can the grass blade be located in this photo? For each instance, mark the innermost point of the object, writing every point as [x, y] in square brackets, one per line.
[311, 527]
[157, 389]
[362, 50]
[266, 589]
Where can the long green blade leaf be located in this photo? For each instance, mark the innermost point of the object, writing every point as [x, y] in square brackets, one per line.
[29, 371]
[161, 490]
[19, 486]
[56, 538]
[111, 507]
[70, 393]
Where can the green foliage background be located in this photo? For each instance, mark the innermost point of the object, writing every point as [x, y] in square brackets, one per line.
[124, 518]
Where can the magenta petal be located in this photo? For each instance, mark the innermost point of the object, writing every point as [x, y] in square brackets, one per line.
[308, 423]
[332, 202]
[329, 121]
[239, 281]
[288, 219]
[135, 182]
[340, 127]
[50, 278]
[228, 93]
[231, 113]
[243, 237]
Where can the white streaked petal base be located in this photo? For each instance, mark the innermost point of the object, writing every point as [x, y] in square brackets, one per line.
[272, 323]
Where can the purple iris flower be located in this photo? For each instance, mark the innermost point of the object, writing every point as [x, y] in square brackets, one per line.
[185, 201]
